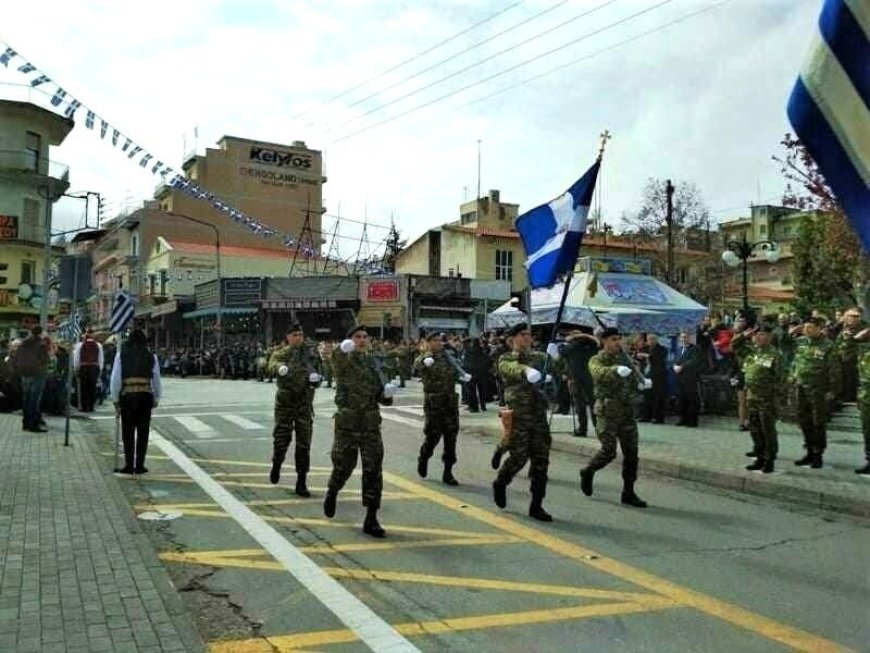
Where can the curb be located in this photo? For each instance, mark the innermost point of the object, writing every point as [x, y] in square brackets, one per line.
[181, 619]
[730, 480]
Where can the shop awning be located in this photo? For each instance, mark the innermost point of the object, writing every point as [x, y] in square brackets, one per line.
[449, 309]
[210, 312]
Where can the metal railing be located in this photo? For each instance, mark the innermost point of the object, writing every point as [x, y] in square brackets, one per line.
[28, 161]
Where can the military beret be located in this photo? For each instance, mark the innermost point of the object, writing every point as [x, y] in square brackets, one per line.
[517, 328]
[433, 335]
[294, 327]
[609, 332]
[358, 327]
[819, 322]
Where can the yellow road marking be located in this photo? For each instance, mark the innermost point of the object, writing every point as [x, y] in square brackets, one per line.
[206, 505]
[795, 638]
[238, 474]
[287, 643]
[181, 478]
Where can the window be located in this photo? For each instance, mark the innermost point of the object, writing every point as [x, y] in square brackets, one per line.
[466, 218]
[28, 272]
[32, 146]
[762, 229]
[134, 245]
[504, 265]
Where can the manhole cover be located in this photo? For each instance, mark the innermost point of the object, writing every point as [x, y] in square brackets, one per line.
[159, 516]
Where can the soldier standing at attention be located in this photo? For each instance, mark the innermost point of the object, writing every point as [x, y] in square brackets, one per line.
[863, 339]
[764, 371]
[814, 375]
[359, 388]
[523, 371]
[440, 406]
[615, 387]
[847, 348]
[297, 378]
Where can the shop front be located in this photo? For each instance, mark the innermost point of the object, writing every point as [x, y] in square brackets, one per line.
[326, 307]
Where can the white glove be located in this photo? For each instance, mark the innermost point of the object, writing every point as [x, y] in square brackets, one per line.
[647, 384]
[548, 379]
[428, 361]
[347, 346]
[314, 377]
[735, 382]
[553, 350]
[533, 375]
[623, 371]
[282, 371]
[466, 377]
[389, 391]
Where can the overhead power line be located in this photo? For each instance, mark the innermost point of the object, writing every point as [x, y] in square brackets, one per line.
[456, 73]
[503, 72]
[452, 57]
[409, 60]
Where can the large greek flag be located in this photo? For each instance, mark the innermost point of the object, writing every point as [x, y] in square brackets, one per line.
[829, 107]
[552, 232]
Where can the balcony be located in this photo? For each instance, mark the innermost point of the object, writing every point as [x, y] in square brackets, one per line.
[28, 166]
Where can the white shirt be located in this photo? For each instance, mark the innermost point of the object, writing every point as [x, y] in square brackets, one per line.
[116, 381]
[77, 350]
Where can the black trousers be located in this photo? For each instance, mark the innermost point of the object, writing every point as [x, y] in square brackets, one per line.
[655, 403]
[476, 389]
[690, 404]
[135, 425]
[583, 399]
[88, 377]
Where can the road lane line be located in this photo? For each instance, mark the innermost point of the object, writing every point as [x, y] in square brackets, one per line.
[243, 423]
[195, 425]
[376, 633]
[799, 640]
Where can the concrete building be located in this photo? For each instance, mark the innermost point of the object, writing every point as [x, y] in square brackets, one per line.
[277, 184]
[30, 182]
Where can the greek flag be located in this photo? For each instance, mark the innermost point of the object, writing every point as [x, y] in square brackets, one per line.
[71, 329]
[122, 311]
[552, 232]
[829, 107]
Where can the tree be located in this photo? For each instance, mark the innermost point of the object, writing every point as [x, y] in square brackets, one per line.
[830, 269]
[395, 244]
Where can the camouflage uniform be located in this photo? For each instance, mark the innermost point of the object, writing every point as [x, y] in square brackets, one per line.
[391, 362]
[326, 361]
[440, 407]
[847, 352]
[294, 410]
[359, 388]
[530, 439]
[403, 355]
[864, 394]
[764, 371]
[814, 374]
[614, 408]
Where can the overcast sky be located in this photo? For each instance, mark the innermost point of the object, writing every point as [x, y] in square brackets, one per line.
[702, 100]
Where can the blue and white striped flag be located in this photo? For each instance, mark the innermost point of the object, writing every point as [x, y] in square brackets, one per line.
[71, 329]
[122, 311]
[552, 232]
[829, 107]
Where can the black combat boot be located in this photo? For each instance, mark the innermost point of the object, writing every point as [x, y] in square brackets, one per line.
[817, 462]
[447, 477]
[371, 525]
[806, 460]
[586, 476]
[329, 503]
[275, 473]
[496, 457]
[629, 498]
[536, 510]
[499, 493]
[423, 465]
[768, 467]
[758, 464]
[301, 486]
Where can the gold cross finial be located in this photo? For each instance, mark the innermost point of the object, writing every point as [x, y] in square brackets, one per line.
[605, 136]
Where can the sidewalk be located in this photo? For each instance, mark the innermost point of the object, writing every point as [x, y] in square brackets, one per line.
[714, 455]
[77, 573]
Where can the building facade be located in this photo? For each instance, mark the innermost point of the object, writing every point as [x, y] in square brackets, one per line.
[30, 182]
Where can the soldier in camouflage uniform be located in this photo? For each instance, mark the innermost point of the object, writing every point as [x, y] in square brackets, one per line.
[359, 388]
[326, 360]
[403, 353]
[764, 371]
[294, 365]
[847, 350]
[863, 341]
[440, 406]
[616, 385]
[814, 375]
[524, 371]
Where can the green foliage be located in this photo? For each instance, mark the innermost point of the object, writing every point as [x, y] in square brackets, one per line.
[824, 273]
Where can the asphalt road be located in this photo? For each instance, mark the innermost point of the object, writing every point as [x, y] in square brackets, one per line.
[700, 570]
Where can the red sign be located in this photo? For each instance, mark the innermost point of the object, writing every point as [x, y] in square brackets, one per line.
[383, 291]
[8, 227]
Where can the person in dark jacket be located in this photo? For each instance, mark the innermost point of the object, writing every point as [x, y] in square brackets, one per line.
[31, 363]
[687, 367]
[580, 347]
[476, 362]
[655, 400]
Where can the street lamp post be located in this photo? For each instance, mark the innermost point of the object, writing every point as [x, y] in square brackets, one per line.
[739, 252]
[217, 240]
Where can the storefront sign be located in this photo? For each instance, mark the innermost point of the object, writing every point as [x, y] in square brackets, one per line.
[277, 177]
[8, 227]
[382, 291]
[279, 158]
[242, 292]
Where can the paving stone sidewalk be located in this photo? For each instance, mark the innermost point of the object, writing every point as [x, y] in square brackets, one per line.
[77, 573]
[714, 455]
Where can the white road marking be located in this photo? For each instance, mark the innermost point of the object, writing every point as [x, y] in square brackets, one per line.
[376, 633]
[402, 420]
[243, 423]
[196, 426]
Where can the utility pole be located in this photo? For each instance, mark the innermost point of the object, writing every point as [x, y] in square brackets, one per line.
[669, 218]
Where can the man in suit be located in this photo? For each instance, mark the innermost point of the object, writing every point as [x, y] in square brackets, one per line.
[687, 368]
[655, 400]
